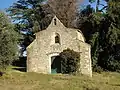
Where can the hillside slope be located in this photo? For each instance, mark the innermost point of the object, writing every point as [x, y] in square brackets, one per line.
[35, 81]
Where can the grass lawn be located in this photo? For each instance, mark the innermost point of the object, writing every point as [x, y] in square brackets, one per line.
[15, 80]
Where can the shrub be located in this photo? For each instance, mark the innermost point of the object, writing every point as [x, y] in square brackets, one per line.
[70, 62]
[97, 69]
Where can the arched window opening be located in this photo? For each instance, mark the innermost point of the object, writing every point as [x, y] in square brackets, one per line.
[55, 22]
[57, 38]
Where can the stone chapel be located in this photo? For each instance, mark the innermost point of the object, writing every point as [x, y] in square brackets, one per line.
[49, 43]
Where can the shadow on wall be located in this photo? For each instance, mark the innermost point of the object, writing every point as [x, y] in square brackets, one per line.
[20, 64]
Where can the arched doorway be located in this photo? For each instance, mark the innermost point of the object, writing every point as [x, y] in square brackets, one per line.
[55, 64]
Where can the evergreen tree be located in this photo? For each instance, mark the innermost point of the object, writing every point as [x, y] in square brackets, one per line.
[30, 17]
[8, 42]
[30, 14]
[111, 52]
[102, 31]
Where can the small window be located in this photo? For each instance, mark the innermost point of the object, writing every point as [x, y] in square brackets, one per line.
[55, 22]
[57, 38]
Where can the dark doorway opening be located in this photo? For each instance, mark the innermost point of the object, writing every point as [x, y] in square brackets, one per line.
[56, 64]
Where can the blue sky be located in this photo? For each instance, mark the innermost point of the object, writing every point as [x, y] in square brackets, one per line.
[94, 4]
[6, 3]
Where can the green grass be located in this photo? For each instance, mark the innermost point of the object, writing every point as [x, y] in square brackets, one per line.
[14, 80]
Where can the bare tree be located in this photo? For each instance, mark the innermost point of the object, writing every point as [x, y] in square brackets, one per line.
[65, 10]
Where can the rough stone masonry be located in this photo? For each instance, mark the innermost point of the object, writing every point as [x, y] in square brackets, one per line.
[51, 42]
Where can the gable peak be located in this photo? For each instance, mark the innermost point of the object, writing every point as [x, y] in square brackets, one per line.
[56, 22]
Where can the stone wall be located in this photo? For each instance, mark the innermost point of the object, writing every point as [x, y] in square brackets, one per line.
[85, 64]
[40, 51]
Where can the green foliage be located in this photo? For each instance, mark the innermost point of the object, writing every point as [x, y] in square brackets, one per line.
[70, 61]
[90, 24]
[112, 44]
[97, 69]
[8, 41]
[102, 31]
[30, 13]
[30, 16]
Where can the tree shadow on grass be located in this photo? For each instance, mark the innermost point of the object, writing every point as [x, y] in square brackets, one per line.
[20, 64]
[22, 69]
[115, 84]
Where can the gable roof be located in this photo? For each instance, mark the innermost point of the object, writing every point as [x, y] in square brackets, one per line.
[58, 22]
[58, 25]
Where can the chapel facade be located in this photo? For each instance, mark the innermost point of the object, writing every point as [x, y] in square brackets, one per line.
[49, 43]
